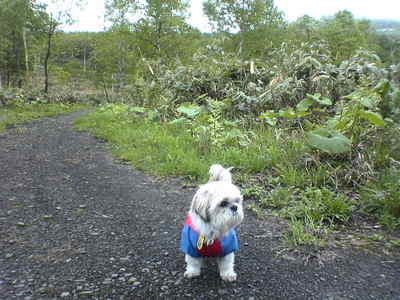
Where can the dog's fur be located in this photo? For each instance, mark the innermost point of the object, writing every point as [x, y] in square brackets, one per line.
[214, 220]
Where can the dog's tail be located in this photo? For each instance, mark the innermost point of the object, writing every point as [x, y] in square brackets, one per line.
[219, 173]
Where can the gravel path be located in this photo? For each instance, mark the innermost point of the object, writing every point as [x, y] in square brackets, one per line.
[76, 224]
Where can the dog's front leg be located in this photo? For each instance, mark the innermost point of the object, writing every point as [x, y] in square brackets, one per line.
[226, 267]
[193, 266]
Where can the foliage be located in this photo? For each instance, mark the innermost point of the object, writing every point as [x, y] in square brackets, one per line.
[158, 23]
[250, 87]
[20, 112]
[136, 136]
[305, 233]
[345, 35]
[20, 25]
[381, 197]
[37, 96]
[148, 145]
[318, 205]
[253, 21]
[328, 141]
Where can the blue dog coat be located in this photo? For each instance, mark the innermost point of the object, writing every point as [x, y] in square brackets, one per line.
[191, 245]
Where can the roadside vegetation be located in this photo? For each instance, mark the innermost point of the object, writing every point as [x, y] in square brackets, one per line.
[19, 111]
[309, 153]
[307, 112]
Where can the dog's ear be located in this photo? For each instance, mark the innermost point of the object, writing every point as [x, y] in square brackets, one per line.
[201, 205]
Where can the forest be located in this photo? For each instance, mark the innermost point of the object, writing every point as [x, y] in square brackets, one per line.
[306, 111]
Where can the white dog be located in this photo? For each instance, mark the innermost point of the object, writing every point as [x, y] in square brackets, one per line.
[209, 228]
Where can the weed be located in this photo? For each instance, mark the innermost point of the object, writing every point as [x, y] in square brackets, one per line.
[20, 113]
[382, 198]
[305, 233]
[292, 176]
[253, 192]
[394, 243]
[255, 209]
[320, 206]
[278, 198]
[171, 149]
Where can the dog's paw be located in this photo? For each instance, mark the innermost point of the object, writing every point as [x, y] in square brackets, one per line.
[229, 276]
[191, 274]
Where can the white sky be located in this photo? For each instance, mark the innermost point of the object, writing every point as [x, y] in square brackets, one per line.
[91, 17]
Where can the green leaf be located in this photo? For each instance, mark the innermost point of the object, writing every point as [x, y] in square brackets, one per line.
[288, 113]
[137, 109]
[269, 117]
[152, 115]
[234, 133]
[373, 118]
[304, 104]
[268, 114]
[271, 121]
[367, 102]
[328, 140]
[189, 110]
[178, 121]
[383, 87]
[312, 61]
[324, 101]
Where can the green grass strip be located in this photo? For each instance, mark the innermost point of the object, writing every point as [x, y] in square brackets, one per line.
[166, 149]
[13, 114]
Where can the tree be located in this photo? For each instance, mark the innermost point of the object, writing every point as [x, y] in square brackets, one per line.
[157, 23]
[304, 29]
[19, 25]
[345, 35]
[254, 21]
[243, 16]
[113, 58]
[73, 50]
[51, 25]
[59, 13]
[390, 48]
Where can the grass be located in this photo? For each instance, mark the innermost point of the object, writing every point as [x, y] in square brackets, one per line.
[168, 149]
[382, 198]
[293, 182]
[149, 146]
[13, 113]
[306, 232]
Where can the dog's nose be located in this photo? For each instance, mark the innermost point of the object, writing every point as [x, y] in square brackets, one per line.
[234, 208]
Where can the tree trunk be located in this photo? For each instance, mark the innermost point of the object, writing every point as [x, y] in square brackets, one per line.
[16, 50]
[105, 89]
[46, 63]
[84, 60]
[50, 33]
[26, 54]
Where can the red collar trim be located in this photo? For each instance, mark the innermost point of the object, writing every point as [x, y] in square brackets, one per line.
[188, 221]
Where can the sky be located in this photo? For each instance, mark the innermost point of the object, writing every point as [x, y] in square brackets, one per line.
[91, 16]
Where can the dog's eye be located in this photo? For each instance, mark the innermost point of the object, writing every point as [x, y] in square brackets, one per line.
[224, 203]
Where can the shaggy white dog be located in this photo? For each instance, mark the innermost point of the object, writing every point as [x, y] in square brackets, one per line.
[209, 228]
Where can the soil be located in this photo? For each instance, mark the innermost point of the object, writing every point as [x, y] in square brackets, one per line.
[77, 224]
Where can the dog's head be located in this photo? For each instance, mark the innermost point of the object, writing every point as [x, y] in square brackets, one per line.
[219, 204]
[219, 173]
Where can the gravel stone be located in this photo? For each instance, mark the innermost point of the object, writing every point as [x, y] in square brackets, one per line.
[65, 294]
